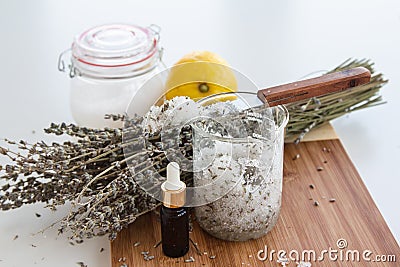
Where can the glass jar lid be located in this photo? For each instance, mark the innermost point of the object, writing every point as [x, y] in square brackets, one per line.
[115, 45]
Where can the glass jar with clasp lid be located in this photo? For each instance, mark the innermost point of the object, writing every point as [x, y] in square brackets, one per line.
[107, 65]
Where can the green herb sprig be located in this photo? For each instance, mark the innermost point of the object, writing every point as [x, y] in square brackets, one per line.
[311, 113]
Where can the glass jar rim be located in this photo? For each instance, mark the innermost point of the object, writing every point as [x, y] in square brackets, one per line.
[279, 126]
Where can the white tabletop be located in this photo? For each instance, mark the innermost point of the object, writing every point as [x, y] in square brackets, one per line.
[272, 43]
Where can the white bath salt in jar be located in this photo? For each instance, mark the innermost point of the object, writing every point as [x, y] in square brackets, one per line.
[108, 64]
[239, 152]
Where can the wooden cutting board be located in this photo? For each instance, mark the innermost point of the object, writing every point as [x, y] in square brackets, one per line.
[352, 218]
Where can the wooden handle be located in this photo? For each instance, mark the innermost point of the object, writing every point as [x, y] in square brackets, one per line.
[325, 84]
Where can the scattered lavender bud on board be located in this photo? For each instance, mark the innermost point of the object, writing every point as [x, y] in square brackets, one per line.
[316, 203]
[332, 200]
[147, 257]
[157, 244]
[319, 168]
[311, 186]
[327, 150]
[191, 259]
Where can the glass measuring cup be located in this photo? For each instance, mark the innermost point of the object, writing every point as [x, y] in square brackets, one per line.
[251, 164]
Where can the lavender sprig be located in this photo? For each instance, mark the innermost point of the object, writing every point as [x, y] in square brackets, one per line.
[311, 113]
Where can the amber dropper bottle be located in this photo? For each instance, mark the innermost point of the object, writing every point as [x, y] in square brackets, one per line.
[174, 216]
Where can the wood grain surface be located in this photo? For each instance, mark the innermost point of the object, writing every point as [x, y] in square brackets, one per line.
[353, 217]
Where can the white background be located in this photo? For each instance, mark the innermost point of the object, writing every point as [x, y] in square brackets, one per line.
[272, 42]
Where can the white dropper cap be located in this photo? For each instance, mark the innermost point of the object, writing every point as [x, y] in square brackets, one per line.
[173, 189]
[173, 177]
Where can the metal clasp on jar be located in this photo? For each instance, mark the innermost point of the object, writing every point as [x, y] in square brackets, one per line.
[64, 57]
[156, 30]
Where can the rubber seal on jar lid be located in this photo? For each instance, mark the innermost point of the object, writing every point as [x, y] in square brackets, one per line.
[115, 45]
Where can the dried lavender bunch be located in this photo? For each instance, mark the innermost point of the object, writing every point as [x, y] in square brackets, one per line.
[90, 173]
[311, 113]
[97, 174]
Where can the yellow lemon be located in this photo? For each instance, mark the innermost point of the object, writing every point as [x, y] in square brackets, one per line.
[200, 74]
